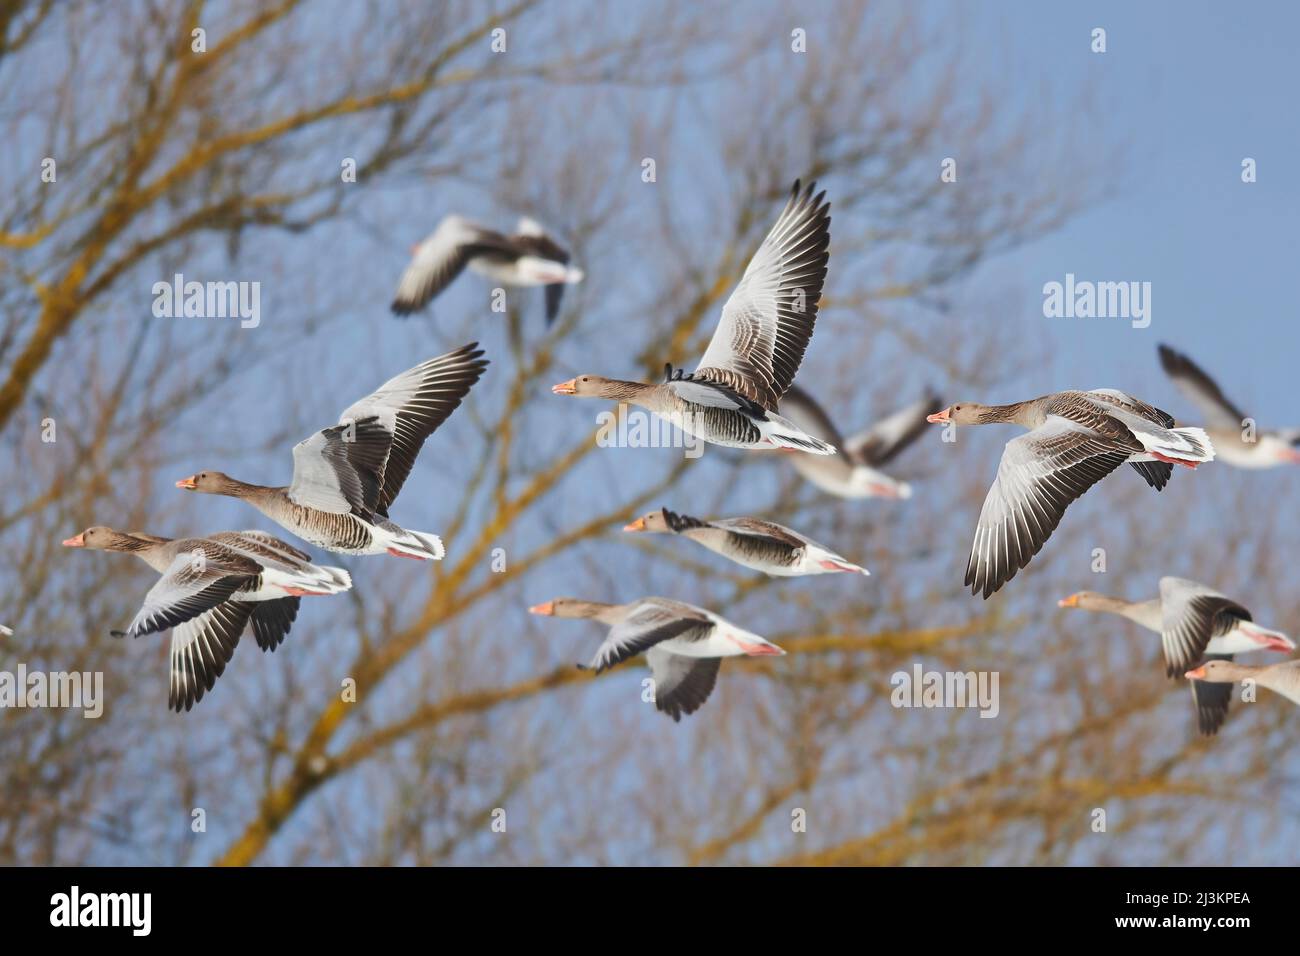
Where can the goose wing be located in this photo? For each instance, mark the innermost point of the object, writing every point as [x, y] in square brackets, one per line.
[1040, 474]
[1211, 700]
[802, 409]
[201, 648]
[1201, 390]
[1191, 614]
[883, 441]
[682, 684]
[440, 258]
[360, 465]
[757, 527]
[651, 622]
[767, 322]
[195, 582]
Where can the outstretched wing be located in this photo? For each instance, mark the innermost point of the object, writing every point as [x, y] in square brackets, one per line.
[191, 585]
[882, 442]
[1201, 390]
[1041, 473]
[359, 465]
[201, 649]
[648, 624]
[1191, 614]
[440, 259]
[767, 322]
[682, 684]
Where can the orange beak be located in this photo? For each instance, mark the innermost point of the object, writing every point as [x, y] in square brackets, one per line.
[566, 388]
[189, 484]
[637, 525]
[1071, 601]
[938, 416]
[77, 542]
[1195, 673]
[547, 609]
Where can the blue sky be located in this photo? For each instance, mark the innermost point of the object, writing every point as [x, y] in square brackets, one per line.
[1190, 89]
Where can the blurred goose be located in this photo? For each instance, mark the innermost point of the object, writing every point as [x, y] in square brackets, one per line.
[346, 477]
[1075, 439]
[854, 472]
[209, 590]
[1225, 422]
[1283, 678]
[762, 545]
[683, 644]
[731, 399]
[1194, 623]
[6, 631]
[528, 258]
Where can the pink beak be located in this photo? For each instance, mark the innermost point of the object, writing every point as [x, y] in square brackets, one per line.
[77, 542]
[938, 416]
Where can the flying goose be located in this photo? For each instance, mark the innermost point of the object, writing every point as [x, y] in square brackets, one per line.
[1194, 623]
[1075, 439]
[528, 258]
[854, 473]
[731, 399]
[1225, 422]
[683, 644]
[762, 545]
[346, 477]
[1283, 678]
[209, 590]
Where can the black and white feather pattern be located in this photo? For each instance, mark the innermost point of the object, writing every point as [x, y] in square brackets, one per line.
[200, 650]
[1191, 614]
[191, 585]
[768, 320]
[1041, 473]
[360, 465]
[682, 684]
[648, 624]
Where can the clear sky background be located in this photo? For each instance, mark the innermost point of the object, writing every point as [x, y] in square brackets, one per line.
[1190, 89]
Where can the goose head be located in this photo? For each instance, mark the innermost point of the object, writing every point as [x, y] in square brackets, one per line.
[654, 522]
[210, 483]
[964, 413]
[100, 538]
[567, 607]
[596, 386]
[1084, 600]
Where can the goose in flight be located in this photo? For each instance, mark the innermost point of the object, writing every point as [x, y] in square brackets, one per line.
[855, 472]
[1225, 422]
[1075, 439]
[752, 542]
[210, 589]
[1195, 623]
[683, 645]
[530, 257]
[346, 477]
[731, 399]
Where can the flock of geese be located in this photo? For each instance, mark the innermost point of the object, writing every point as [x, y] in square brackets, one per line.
[346, 478]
